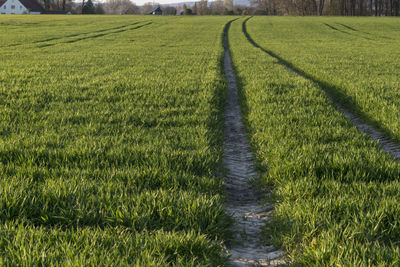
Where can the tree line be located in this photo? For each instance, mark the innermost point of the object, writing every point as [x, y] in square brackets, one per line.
[329, 7]
[227, 7]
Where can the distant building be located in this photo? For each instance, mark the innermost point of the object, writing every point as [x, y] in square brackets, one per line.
[20, 7]
[180, 11]
[157, 11]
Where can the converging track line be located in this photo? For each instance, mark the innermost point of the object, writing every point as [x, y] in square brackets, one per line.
[95, 36]
[243, 200]
[388, 145]
[73, 35]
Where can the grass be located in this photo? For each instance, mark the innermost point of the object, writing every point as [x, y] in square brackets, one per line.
[354, 58]
[111, 141]
[336, 191]
[111, 138]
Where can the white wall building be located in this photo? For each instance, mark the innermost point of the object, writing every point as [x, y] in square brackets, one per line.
[20, 7]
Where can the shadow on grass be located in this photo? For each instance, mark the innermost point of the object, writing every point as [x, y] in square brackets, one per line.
[71, 35]
[335, 93]
[97, 35]
[84, 33]
[355, 30]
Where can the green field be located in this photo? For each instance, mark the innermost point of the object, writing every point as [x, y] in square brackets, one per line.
[355, 59]
[111, 138]
[111, 144]
[336, 190]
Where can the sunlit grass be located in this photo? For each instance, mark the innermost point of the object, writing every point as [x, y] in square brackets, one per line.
[336, 191]
[356, 59]
[110, 141]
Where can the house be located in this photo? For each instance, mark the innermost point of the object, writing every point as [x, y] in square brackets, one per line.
[20, 7]
[180, 11]
[157, 11]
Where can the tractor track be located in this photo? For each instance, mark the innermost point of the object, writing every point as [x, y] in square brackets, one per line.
[243, 199]
[85, 33]
[95, 36]
[387, 144]
[82, 36]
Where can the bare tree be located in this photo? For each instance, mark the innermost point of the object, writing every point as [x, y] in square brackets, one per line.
[217, 7]
[194, 8]
[259, 7]
[228, 5]
[56, 5]
[99, 8]
[327, 7]
[202, 8]
[320, 7]
[169, 10]
[120, 7]
[266, 7]
[148, 7]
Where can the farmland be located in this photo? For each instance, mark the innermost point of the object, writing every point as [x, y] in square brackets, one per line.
[356, 59]
[335, 189]
[111, 141]
[111, 138]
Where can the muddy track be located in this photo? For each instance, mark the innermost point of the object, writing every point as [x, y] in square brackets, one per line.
[243, 199]
[388, 145]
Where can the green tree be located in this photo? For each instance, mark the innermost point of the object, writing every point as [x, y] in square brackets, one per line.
[186, 10]
[88, 8]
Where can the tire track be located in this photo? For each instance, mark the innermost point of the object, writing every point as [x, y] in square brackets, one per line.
[344, 32]
[84, 33]
[334, 28]
[348, 27]
[95, 36]
[388, 145]
[367, 33]
[243, 199]
[73, 35]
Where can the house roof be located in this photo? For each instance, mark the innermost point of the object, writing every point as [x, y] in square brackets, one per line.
[32, 5]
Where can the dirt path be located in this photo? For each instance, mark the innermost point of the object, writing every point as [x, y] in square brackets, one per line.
[387, 144]
[243, 200]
